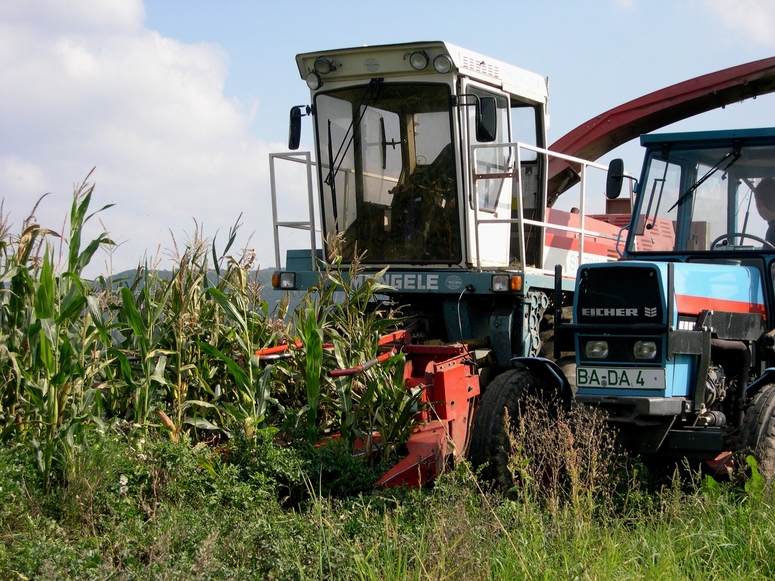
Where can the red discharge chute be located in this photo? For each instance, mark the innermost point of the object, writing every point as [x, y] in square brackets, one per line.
[601, 134]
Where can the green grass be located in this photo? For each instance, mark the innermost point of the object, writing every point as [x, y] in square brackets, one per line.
[174, 511]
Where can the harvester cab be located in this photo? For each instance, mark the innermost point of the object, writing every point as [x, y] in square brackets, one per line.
[675, 341]
[431, 161]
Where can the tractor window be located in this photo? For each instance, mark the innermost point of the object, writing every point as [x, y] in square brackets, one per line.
[491, 160]
[654, 229]
[709, 210]
[523, 129]
[431, 136]
[381, 152]
[695, 199]
[337, 164]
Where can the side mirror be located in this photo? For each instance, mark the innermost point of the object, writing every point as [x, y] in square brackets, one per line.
[486, 119]
[294, 133]
[614, 179]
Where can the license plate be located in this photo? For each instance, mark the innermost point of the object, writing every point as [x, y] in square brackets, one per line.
[636, 378]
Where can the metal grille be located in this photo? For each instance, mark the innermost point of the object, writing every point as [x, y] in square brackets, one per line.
[481, 67]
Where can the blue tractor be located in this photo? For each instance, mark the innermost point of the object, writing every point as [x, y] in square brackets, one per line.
[675, 341]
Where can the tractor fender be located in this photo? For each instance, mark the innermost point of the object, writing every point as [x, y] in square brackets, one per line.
[767, 377]
[547, 371]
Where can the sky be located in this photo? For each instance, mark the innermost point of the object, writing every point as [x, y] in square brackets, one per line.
[176, 104]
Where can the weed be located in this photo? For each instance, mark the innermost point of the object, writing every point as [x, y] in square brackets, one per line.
[568, 459]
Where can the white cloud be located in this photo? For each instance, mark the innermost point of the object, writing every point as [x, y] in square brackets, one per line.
[755, 18]
[90, 86]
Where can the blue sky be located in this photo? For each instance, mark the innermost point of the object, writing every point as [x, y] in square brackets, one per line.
[178, 103]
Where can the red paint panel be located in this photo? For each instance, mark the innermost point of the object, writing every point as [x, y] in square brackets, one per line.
[689, 305]
[572, 244]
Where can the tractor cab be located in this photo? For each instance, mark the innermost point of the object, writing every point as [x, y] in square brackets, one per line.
[399, 180]
[706, 192]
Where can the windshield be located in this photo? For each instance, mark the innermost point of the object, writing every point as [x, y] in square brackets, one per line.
[387, 169]
[712, 198]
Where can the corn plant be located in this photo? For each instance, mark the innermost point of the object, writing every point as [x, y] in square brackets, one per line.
[52, 358]
[142, 316]
[191, 316]
[385, 407]
[355, 330]
[188, 342]
[243, 318]
[343, 311]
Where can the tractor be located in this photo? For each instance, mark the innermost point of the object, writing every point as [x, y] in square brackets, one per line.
[675, 343]
[431, 161]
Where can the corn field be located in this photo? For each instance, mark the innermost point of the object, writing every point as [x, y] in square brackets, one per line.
[177, 354]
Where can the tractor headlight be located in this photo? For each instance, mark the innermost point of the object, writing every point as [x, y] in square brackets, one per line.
[596, 349]
[644, 349]
[284, 280]
[502, 283]
[419, 59]
[442, 64]
[324, 66]
[314, 82]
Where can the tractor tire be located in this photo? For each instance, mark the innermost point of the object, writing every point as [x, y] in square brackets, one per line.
[568, 366]
[757, 433]
[490, 447]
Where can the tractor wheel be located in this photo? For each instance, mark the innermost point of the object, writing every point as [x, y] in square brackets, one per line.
[568, 366]
[490, 447]
[757, 434]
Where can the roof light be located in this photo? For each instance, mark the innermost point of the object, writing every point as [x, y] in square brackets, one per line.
[314, 82]
[442, 64]
[419, 59]
[323, 65]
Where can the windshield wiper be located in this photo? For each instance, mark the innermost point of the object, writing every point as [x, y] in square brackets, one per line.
[734, 154]
[330, 179]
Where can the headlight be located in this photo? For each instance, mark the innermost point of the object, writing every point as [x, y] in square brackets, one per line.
[644, 349]
[284, 280]
[596, 349]
[442, 64]
[323, 65]
[502, 283]
[314, 82]
[419, 59]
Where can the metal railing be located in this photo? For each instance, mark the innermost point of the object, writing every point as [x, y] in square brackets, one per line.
[514, 173]
[303, 157]
[521, 221]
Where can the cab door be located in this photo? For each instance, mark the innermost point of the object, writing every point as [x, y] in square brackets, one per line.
[488, 199]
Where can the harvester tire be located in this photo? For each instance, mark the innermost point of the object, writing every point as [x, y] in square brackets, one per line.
[757, 434]
[490, 447]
